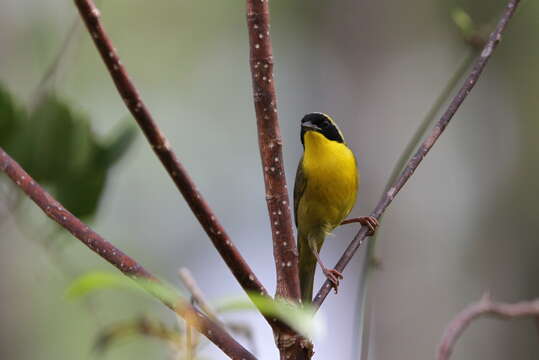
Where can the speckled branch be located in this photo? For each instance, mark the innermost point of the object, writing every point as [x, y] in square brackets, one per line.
[270, 143]
[162, 149]
[291, 345]
[116, 257]
[484, 307]
[414, 162]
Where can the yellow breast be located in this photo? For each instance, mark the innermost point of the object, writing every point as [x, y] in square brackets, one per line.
[332, 183]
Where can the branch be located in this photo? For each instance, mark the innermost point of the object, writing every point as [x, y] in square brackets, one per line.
[270, 144]
[484, 307]
[114, 256]
[408, 151]
[52, 70]
[197, 295]
[414, 162]
[161, 146]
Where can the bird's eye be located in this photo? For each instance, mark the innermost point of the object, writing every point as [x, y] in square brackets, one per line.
[324, 124]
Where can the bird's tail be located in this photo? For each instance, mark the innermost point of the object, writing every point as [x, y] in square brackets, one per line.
[307, 268]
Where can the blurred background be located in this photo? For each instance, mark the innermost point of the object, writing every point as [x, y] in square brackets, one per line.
[466, 223]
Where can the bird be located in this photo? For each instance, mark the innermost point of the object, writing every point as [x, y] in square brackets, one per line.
[325, 191]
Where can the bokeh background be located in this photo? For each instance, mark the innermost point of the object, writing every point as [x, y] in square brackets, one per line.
[466, 223]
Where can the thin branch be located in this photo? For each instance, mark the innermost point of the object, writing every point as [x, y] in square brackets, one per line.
[52, 70]
[414, 162]
[415, 140]
[476, 42]
[190, 345]
[197, 295]
[484, 307]
[270, 144]
[116, 257]
[142, 326]
[161, 146]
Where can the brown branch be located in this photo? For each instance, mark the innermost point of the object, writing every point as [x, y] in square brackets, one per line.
[161, 146]
[291, 345]
[270, 143]
[484, 307]
[114, 256]
[414, 162]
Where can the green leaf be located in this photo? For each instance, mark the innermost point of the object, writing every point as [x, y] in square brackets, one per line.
[62, 153]
[48, 140]
[58, 148]
[300, 318]
[100, 280]
[80, 192]
[11, 117]
[464, 22]
[61, 150]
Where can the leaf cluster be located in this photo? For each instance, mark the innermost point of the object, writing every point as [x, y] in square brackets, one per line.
[57, 146]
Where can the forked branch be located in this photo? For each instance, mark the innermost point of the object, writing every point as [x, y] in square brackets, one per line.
[161, 146]
[413, 163]
[116, 257]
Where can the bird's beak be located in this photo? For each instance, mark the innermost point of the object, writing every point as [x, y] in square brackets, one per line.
[307, 125]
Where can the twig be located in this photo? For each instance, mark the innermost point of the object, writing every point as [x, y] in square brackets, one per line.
[484, 307]
[193, 288]
[114, 256]
[190, 345]
[198, 297]
[161, 146]
[414, 162]
[414, 141]
[270, 144]
[53, 68]
[141, 326]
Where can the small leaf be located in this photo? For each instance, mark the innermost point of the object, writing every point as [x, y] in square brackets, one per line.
[99, 280]
[464, 22]
[300, 318]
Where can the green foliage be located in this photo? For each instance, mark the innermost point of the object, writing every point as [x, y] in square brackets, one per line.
[10, 116]
[57, 146]
[99, 280]
[299, 317]
[464, 23]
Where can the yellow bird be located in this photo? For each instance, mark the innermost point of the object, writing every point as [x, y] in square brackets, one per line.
[325, 192]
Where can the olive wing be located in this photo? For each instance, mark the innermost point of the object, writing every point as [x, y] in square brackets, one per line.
[299, 188]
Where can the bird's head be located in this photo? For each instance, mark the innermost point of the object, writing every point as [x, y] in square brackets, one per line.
[322, 124]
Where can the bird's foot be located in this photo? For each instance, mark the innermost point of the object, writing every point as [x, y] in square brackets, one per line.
[333, 276]
[369, 221]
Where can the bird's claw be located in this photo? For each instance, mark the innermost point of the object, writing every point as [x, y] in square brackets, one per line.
[333, 276]
[369, 221]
